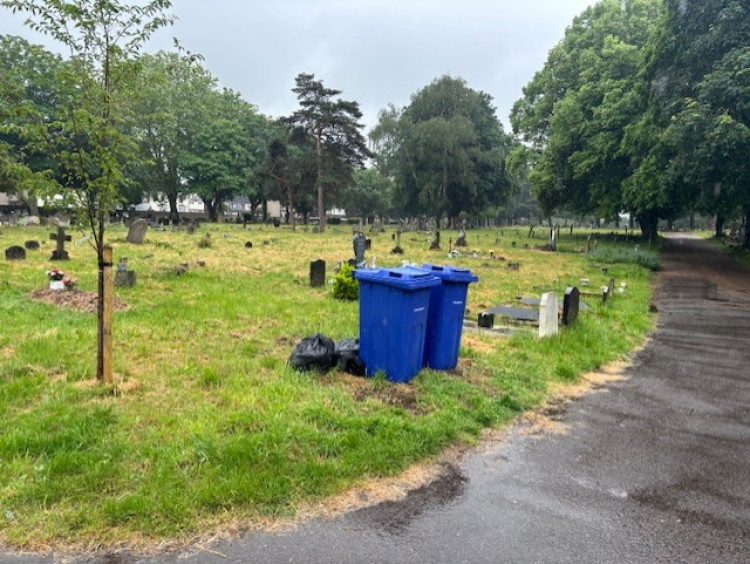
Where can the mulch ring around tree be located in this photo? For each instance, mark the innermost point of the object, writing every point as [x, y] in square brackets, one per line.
[73, 299]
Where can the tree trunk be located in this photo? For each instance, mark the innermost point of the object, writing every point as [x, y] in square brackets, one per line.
[720, 219]
[174, 215]
[29, 201]
[746, 238]
[649, 222]
[319, 163]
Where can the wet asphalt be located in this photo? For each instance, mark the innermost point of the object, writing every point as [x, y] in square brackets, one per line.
[655, 468]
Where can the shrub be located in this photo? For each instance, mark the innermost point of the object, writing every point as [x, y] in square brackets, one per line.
[612, 255]
[345, 287]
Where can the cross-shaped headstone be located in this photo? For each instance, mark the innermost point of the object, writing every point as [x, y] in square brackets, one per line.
[60, 237]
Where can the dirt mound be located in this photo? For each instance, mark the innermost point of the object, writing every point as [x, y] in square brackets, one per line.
[73, 299]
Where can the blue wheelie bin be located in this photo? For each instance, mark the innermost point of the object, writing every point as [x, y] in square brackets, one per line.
[446, 315]
[393, 308]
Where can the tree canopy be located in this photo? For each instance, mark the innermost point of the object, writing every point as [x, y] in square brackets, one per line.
[446, 150]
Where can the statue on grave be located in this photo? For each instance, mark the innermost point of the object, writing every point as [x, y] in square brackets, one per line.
[360, 246]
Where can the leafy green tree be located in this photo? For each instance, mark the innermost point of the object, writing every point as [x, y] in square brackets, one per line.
[691, 145]
[575, 111]
[334, 127]
[28, 91]
[447, 151]
[173, 88]
[86, 139]
[222, 152]
[370, 193]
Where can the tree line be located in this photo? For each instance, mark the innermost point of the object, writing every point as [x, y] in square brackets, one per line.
[643, 107]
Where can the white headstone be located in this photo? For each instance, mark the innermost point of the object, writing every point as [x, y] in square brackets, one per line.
[548, 307]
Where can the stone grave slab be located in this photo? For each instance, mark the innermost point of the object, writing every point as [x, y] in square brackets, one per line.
[515, 313]
[32, 245]
[548, 322]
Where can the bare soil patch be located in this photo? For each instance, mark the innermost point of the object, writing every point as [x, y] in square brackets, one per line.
[73, 299]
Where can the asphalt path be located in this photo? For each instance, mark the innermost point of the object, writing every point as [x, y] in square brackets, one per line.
[653, 468]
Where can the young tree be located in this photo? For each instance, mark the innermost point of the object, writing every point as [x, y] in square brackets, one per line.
[333, 125]
[87, 140]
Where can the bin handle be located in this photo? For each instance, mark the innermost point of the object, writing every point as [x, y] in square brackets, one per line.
[395, 274]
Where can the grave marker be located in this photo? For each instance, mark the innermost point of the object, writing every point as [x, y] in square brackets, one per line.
[317, 273]
[548, 323]
[31, 245]
[461, 239]
[360, 246]
[571, 306]
[15, 253]
[60, 237]
[137, 232]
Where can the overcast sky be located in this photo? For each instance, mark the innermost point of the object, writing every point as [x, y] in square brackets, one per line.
[376, 51]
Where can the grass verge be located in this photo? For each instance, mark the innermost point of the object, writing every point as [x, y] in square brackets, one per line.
[206, 424]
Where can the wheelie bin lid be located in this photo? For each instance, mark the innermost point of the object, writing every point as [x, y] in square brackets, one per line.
[449, 273]
[401, 277]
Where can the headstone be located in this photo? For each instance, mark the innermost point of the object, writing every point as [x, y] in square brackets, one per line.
[60, 237]
[317, 273]
[548, 323]
[137, 232]
[124, 278]
[486, 320]
[461, 239]
[360, 246]
[192, 226]
[248, 244]
[15, 253]
[571, 306]
[397, 250]
[435, 245]
[31, 245]
[31, 220]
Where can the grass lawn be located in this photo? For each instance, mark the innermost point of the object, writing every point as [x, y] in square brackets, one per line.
[205, 423]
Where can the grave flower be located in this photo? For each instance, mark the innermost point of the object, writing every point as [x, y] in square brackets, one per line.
[55, 274]
[70, 283]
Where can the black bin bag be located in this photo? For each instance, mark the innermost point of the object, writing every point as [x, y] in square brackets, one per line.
[316, 352]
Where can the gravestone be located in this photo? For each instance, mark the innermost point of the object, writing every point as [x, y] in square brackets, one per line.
[360, 246]
[15, 253]
[548, 323]
[31, 245]
[192, 226]
[124, 278]
[137, 232]
[31, 220]
[571, 306]
[60, 237]
[486, 320]
[435, 245]
[461, 239]
[317, 273]
[397, 250]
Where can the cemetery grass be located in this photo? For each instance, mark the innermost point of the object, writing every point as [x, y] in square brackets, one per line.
[205, 424]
